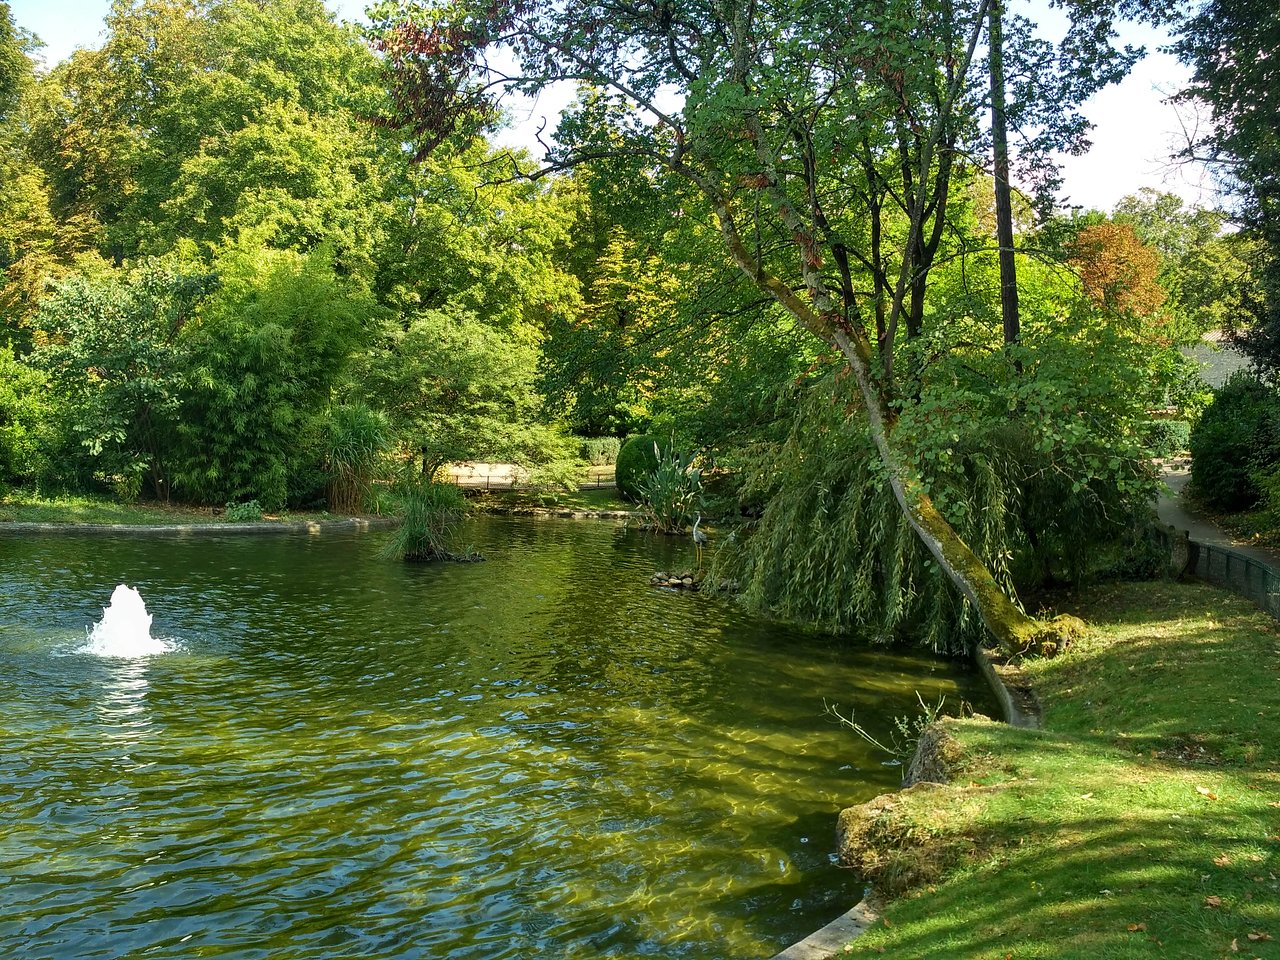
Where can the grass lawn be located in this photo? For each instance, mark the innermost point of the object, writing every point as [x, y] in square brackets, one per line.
[22, 506]
[1143, 821]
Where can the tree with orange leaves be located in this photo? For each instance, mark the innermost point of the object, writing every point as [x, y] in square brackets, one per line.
[1118, 270]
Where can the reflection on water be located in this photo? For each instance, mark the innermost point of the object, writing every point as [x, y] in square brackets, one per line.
[536, 756]
[122, 709]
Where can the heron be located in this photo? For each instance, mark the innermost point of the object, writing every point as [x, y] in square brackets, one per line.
[699, 539]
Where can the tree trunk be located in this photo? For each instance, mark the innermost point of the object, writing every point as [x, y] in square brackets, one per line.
[1013, 631]
[1000, 151]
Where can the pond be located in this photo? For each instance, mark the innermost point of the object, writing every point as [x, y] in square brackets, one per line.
[539, 755]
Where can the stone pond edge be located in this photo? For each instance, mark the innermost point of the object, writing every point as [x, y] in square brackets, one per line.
[313, 527]
[1021, 708]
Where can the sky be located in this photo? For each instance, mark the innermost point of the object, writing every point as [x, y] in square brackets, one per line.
[1135, 131]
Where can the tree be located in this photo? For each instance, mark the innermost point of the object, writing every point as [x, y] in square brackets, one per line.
[202, 121]
[1206, 270]
[111, 346]
[798, 127]
[1118, 270]
[266, 356]
[33, 246]
[456, 389]
[1233, 46]
[14, 67]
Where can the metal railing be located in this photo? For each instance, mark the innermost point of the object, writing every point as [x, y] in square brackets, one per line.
[505, 477]
[1247, 576]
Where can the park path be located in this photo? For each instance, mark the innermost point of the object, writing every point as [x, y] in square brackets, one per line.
[1174, 510]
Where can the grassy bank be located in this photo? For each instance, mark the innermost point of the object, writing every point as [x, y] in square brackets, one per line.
[1143, 821]
[21, 506]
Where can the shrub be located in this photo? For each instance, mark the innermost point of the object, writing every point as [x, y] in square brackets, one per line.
[671, 492]
[1166, 438]
[600, 451]
[247, 512]
[636, 460]
[23, 415]
[1236, 437]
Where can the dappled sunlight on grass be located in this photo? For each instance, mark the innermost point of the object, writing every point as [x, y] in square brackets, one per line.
[23, 506]
[1106, 835]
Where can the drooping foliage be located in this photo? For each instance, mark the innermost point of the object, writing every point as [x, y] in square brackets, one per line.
[1045, 474]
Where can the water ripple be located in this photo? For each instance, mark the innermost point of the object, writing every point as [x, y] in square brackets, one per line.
[346, 757]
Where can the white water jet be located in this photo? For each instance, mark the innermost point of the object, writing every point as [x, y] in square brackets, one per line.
[125, 628]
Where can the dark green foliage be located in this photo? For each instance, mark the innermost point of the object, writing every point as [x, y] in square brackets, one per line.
[265, 358]
[248, 512]
[600, 451]
[432, 512]
[115, 359]
[1166, 438]
[1233, 45]
[637, 458]
[1236, 437]
[833, 547]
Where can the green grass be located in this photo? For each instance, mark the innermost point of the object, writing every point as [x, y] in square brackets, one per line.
[1143, 821]
[22, 506]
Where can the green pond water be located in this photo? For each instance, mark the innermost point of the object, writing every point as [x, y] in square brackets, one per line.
[343, 757]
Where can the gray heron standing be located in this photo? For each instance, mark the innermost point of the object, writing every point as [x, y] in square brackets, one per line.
[699, 539]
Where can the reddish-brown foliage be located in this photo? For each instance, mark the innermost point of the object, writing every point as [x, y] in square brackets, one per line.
[1118, 270]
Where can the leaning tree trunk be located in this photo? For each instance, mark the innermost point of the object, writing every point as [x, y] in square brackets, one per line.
[1011, 628]
[1013, 631]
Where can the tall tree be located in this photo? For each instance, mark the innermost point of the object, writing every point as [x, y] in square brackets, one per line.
[1233, 47]
[1000, 168]
[14, 67]
[798, 125]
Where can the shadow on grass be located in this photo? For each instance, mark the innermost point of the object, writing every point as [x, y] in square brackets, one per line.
[1144, 822]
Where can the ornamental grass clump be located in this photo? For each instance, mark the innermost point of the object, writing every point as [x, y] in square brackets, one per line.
[432, 514]
[359, 438]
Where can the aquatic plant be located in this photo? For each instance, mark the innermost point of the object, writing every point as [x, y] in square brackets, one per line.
[432, 512]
